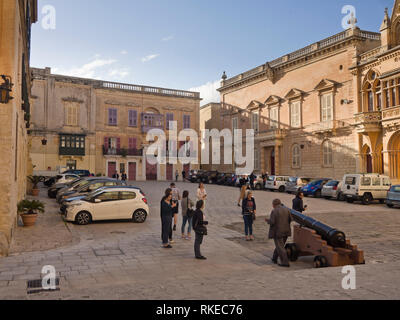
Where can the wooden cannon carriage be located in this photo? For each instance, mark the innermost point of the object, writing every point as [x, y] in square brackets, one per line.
[328, 245]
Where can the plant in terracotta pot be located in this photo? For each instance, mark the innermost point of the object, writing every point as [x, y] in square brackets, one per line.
[28, 210]
[35, 180]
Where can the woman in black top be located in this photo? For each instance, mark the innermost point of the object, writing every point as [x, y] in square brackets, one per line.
[298, 204]
[166, 218]
[249, 213]
[198, 227]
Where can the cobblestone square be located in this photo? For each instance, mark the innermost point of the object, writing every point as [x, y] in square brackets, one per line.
[123, 260]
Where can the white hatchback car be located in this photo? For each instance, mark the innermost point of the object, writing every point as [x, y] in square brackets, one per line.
[109, 203]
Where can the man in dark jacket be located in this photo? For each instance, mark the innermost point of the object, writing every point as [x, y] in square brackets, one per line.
[298, 204]
[280, 230]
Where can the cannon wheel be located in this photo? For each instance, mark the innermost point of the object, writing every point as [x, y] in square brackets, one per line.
[320, 262]
[292, 251]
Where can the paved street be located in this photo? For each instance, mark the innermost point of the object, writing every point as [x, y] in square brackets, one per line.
[123, 260]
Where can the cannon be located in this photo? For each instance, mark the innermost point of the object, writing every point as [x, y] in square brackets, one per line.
[329, 246]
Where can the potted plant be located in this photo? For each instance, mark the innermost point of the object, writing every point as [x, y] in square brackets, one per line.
[28, 210]
[35, 180]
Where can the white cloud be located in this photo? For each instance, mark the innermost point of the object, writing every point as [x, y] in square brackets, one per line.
[124, 52]
[118, 73]
[150, 57]
[208, 92]
[169, 38]
[88, 70]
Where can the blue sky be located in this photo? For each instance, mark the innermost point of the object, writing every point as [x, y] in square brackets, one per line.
[185, 44]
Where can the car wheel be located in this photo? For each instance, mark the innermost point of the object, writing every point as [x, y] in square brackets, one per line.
[139, 216]
[83, 218]
[389, 205]
[340, 196]
[350, 200]
[367, 199]
[318, 194]
[281, 189]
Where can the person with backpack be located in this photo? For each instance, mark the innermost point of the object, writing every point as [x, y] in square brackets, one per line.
[187, 214]
[199, 226]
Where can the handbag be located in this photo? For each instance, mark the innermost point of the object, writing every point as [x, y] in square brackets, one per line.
[189, 212]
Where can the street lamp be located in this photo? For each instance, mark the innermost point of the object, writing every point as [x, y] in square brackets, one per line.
[5, 89]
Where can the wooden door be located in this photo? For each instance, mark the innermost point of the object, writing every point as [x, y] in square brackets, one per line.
[151, 171]
[132, 171]
[170, 172]
[112, 168]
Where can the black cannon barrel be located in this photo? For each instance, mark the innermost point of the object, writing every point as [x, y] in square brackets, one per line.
[334, 237]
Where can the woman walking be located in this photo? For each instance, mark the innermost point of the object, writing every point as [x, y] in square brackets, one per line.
[187, 214]
[166, 218]
[249, 215]
[199, 226]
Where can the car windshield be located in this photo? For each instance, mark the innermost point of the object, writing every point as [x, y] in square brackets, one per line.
[395, 189]
[271, 178]
[293, 179]
[332, 183]
[315, 182]
[80, 184]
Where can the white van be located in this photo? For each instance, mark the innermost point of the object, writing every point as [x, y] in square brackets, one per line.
[277, 183]
[365, 187]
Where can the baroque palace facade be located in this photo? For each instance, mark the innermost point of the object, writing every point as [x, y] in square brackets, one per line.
[16, 18]
[325, 110]
[101, 126]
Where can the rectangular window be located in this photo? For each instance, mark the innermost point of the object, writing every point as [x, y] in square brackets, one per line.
[112, 117]
[132, 118]
[274, 117]
[370, 101]
[71, 115]
[235, 124]
[132, 143]
[295, 115]
[169, 118]
[186, 122]
[327, 107]
[255, 121]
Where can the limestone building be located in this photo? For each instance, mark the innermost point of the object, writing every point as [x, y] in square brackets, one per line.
[102, 126]
[325, 110]
[16, 17]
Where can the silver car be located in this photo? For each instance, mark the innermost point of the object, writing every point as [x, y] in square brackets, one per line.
[333, 190]
[295, 184]
[393, 196]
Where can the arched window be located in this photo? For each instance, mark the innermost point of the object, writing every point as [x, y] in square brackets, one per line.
[327, 154]
[296, 156]
[372, 92]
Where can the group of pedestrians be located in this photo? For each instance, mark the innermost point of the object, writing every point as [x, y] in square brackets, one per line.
[123, 177]
[279, 221]
[192, 217]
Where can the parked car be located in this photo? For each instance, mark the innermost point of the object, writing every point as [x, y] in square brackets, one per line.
[393, 196]
[259, 182]
[366, 187]
[277, 183]
[209, 177]
[230, 180]
[81, 173]
[75, 186]
[333, 190]
[53, 190]
[66, 178]
[194, 175]
[295, 184]
[90, 187]
[110, 203]
[314, 188]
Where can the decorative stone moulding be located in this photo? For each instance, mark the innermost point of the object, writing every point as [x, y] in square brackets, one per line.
[72, 99]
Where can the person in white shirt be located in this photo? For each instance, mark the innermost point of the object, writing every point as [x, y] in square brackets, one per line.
[201, 193]
[175, 199]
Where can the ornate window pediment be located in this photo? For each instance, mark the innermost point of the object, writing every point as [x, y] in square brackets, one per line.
[254, 105]
[294, 94]
[273, 100]
[326, 84]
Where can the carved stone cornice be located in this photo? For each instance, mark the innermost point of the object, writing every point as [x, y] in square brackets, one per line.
[72, 99]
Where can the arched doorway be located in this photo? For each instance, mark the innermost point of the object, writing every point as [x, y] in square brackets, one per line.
[394, 156]
[367, 159]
